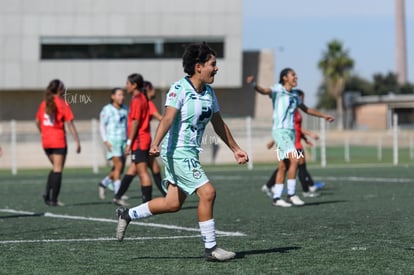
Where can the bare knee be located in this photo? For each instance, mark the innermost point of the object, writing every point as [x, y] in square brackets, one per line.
[207, 193]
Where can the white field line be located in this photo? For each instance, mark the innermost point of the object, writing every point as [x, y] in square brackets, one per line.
[80, 218]
[97, 239]
[328, 178]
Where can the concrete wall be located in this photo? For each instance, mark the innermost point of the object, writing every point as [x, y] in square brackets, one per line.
[371, 116]
[23, 23]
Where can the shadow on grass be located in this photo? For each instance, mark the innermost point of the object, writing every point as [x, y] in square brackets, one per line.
[239, 255]
[242, 254]
[89, 203]
[167, 257]
[22, 216]
[323, 202]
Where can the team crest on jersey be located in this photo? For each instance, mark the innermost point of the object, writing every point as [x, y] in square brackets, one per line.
[172, 94]
[196, 174]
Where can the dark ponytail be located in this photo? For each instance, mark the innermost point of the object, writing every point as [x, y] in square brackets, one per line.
[284, 73]
[52, 90]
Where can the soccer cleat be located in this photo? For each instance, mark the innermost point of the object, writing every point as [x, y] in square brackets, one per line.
[295, 200]
[55, 203]
[310, 194]
[124, 197]
[101, 191]
[218, 254]
[46, 199]
[123, 221]
[267, 191]
[281, 203]
[313, 188]
[119, 202]
[319, 185]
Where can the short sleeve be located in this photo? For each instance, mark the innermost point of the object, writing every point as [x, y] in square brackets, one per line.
[68, 113]
[275, 89]
[135, 109]
[40, 111]
[215, 105]
[175, 96]
[298, 100]
[103, 117]
[152, 109]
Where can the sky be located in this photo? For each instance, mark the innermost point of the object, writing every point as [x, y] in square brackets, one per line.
[298, 32]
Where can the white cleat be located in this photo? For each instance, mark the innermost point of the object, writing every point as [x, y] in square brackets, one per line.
[101, 191]
[295, 200]
[123, 221]
[219, 254]
[281, 203]
[267, 191]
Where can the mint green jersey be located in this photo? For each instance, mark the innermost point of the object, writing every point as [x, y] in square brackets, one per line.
[113, 123]
[194, 112]
[284, 106]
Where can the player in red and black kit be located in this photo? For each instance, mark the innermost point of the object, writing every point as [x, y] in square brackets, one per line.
[139, 140]
[308, 186]
[51, 116]
[154, 114]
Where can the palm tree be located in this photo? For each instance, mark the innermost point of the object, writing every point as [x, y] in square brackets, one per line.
[336, 65]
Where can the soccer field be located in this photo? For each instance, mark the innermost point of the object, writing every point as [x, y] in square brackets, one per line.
[363, 223]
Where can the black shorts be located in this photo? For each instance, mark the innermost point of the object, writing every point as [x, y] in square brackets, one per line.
[138, 156]
[56, 151]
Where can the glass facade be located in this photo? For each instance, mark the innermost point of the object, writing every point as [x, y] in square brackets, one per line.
[119, 48]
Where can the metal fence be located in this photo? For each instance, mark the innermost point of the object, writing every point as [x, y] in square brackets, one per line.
[21, 145]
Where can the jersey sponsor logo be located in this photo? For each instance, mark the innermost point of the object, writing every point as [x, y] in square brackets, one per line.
[48, 120]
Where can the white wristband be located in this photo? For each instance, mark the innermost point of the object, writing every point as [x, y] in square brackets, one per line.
[128, 142]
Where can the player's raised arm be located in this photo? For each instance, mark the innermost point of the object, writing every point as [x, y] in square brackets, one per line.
[314, 112]
[264, 91]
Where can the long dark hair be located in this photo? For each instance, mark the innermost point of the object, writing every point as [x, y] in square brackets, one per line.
[139, 80]
[52, 89]
[196, 53]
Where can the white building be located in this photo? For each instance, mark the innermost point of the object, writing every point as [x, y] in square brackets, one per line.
[95, 44]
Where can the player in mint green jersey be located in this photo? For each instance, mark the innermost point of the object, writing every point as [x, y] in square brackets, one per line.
[285, 100]
[190, 105]
[113, 129]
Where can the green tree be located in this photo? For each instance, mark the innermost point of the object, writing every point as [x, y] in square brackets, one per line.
[356, 83]
[384, 84]
[336, 65]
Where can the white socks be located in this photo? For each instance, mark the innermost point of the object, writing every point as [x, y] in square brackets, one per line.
[291, 187]
[277, 190]
[106, 181]
[208, 233]
[140, 212]
[117, 185]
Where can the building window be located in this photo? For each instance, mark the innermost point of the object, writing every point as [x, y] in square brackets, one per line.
[119, 48]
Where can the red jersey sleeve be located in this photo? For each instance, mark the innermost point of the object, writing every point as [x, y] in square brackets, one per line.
[68, 115]
[40, 112]
[152, 109]
[135, 109]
